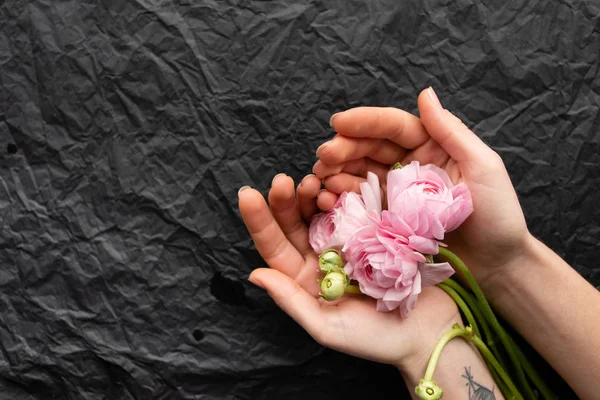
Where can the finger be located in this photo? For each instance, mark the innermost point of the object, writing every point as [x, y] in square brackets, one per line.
[432, 153]
[326, 200]
[270, 241]
[341, 149]
[363, 166]
[429, 153]
[341, 183]
[393, 124]
[308, 189]
[358, 167]
[451, 134]
[292, 299]
[285, 209]
[322, 170]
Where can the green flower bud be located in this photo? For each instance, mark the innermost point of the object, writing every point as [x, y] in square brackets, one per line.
[396, 166]
[333, 285]
[330, 261]
[429, 390]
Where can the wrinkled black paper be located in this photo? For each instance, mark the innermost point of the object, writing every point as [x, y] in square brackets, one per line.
[127, 127]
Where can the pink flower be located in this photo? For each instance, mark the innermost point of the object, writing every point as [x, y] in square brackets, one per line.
[411, 241]
[332, 229]
[387, 268]
[384, 249]
[427, 201]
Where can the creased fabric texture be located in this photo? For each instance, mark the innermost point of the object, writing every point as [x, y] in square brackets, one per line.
[127, 127]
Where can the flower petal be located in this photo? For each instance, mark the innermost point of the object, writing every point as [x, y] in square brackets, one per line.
[387, 306]
[397, 294]
[398, 179]
[434, 172]
[432, 274]
[371, 193]
[408, 305]
[372, 290]
[423, 245]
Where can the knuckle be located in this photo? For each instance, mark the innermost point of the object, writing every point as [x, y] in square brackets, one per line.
[399, 127]
[296, 227]
[274, 252]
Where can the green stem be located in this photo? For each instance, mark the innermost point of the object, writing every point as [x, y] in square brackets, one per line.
[472, 303]
[499, 382]
[531, 372]
[354, 289]
[487, 337]
[467, 334]
[437, 351]
[461, 305]
[487, 355]
[489, 314]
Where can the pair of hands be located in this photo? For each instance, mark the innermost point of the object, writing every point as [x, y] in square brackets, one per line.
[373, 139]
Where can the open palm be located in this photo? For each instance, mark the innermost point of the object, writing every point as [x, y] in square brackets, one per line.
[373, 139]
[352, 324]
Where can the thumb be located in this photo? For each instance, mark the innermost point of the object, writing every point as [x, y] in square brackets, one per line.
[449, 131]
[291, 298]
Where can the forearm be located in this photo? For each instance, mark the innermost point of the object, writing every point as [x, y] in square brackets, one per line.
[557, 311]
[460, 372]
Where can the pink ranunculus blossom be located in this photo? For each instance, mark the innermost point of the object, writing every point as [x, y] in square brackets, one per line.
[411, 240]
[385, 249]
[427, 201]
[387, 268]
[331, 229]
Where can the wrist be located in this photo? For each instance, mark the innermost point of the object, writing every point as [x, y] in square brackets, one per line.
[413, 368]
[499, 284]
[457, 364]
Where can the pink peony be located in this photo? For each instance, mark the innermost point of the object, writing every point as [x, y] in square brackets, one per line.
[388, 269]
[427, 201]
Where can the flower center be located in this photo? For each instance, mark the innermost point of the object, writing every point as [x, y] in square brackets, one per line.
[425, 186]
[369, 272]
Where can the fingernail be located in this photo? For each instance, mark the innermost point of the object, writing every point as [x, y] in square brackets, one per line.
[433, 97]
[321, 147]
[242, 189]
[277, 176]
[303, 179]
[255, 282]
[331, 119]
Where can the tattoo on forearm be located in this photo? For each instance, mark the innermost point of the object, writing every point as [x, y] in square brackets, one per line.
[476, 390]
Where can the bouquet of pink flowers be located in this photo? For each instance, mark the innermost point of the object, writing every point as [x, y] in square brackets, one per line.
[387, 246]
[384, 247]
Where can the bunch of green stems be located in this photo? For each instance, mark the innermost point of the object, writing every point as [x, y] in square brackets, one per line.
[512, 371]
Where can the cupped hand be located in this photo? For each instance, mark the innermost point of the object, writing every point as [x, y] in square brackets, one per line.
[350, 325]
[373, 139]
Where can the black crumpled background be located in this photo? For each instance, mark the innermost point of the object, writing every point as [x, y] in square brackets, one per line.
[127, 127]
